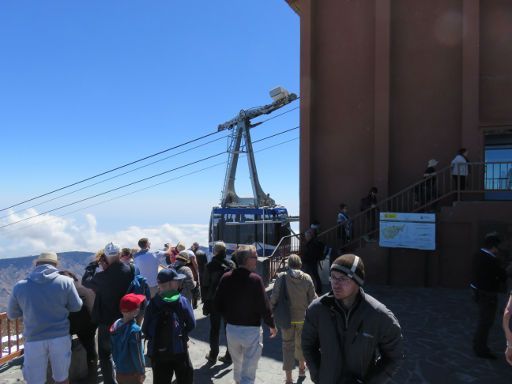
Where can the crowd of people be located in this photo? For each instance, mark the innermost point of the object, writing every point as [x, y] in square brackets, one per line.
[128, 296]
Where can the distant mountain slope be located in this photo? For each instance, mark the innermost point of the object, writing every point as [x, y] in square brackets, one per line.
[15, 269]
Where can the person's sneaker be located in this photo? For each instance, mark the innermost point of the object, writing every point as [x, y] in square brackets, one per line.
[226, 359]
[211, 360]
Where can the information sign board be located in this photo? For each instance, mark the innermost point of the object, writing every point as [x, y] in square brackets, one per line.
[408, 230]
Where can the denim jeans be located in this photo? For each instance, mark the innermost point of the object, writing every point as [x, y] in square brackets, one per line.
[245, 344]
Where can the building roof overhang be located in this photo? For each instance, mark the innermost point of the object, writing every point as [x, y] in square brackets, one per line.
[295, 5]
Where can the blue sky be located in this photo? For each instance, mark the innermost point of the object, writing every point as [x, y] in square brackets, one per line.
[87, 86]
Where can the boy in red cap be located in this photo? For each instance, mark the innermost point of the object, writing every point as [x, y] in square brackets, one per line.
[125, 335]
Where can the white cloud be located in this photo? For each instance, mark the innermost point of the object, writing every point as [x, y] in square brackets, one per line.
[62, 234]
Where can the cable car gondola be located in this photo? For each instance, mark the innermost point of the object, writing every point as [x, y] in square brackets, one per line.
[262, 227]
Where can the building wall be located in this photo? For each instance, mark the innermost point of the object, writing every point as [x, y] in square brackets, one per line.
[342, 90]
[495, 62]
[460, 230]
[425, 89]
[387, 85]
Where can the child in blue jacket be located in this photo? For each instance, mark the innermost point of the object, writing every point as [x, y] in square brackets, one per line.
[127, 348]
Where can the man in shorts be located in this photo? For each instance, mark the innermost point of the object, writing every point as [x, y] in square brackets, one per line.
[44, 300]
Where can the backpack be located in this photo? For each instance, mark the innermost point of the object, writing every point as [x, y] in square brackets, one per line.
[281, 310]
[169, 328]
[138, 285]
[214, 280]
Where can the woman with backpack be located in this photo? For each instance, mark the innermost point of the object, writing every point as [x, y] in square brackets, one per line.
[300, 291]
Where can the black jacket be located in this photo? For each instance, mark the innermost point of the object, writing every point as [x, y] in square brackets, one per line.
[183, 323]
[342, 348]
[109, 286]
[214, 271]
[313, 252]
[488, 273]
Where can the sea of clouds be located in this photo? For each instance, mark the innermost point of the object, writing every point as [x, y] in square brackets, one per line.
[61, 234]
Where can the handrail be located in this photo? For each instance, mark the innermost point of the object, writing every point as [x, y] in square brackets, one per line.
[441, 189]
[281, 241]
[286, 245]
[10, 340]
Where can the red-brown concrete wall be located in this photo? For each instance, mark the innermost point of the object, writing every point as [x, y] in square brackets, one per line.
[496, 61]
[341, 130]
[426, 42]
[385, 86]
[460, 230]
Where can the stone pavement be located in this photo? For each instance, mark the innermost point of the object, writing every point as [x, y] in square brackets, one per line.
[437, 325]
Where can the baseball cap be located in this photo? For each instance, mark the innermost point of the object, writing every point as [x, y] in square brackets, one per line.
[131, 302]
[112, 249]
[169, 274]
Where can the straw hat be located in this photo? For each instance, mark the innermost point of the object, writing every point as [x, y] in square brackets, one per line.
[47, 258]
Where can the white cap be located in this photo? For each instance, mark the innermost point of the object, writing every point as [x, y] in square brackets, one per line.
[432, 163]
[112, 249]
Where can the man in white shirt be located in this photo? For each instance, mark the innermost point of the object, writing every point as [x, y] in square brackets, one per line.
[460, 169]
[147, 262]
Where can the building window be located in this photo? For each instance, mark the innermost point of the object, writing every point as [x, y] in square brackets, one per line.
[498, 172]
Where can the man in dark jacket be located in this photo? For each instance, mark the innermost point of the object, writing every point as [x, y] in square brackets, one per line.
[489, 278]
[242, 300]
[214, 271]
[348, 336]
[313, 252]
[369, 204]
[110, 286]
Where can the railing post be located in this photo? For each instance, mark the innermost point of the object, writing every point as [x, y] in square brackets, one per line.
[8, 337]
[458, 188]
[17, 328]
[1, 342]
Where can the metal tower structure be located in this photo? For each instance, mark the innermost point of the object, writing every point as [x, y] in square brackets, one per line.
[240, 126]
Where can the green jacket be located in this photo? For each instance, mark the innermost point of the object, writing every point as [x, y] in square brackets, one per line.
[363, 345]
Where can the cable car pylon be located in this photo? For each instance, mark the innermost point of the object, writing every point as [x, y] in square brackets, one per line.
[241, 126]
[256, 219]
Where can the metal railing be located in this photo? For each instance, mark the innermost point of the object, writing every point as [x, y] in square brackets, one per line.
[10, 338]
[286, 246]
[427, 195]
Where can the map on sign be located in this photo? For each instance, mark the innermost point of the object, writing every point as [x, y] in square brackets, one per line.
[408, 230]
